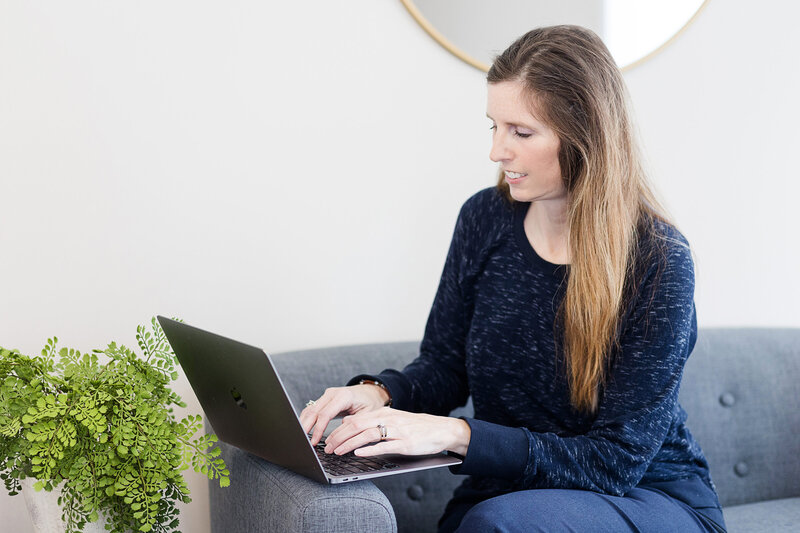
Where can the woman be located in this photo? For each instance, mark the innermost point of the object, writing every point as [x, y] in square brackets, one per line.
[565, 310]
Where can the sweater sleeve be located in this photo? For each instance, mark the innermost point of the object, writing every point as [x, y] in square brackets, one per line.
[637, 406]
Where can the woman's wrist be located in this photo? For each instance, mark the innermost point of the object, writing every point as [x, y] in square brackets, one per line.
[378, 388]
[461, 433]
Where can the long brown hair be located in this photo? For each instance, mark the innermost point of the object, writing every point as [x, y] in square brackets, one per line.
[577, 89]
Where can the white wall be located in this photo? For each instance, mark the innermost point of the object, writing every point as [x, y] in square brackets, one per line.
[718, 111]
[291, 178]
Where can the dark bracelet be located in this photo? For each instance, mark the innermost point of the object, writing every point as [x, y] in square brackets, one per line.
[378, 384]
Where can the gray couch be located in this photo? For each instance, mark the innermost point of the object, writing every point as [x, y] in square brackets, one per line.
[741, 389]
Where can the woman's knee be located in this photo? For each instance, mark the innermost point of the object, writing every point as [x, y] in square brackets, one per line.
[495, 515]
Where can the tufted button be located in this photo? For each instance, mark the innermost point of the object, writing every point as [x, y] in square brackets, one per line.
[741, 469]
[415, 492]
[727, 399]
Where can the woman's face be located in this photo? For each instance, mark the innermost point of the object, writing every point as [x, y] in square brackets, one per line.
[525, 147]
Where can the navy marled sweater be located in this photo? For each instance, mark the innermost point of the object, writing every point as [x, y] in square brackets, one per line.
[491, 335]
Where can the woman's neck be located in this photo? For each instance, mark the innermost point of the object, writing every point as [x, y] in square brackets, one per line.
[547, 228]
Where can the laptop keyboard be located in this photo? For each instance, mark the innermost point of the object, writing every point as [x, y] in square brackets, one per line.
[350, 463]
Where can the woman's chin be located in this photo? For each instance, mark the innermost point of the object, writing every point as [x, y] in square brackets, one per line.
[519, 194]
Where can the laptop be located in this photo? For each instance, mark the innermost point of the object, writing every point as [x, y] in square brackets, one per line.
[245, 402]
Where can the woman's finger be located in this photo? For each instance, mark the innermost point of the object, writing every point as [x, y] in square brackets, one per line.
[365, 426]
[368, 436]
[308, 416]
[327, 413]
[319, 413]
[346, 430]
[380, 448]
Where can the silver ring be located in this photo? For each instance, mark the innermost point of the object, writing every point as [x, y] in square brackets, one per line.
[309, 403]
[383, 431]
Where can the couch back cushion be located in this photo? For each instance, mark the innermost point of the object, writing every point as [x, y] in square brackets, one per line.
[307, 373]
[741, 390]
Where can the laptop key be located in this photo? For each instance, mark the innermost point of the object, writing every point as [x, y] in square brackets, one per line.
[351, 463]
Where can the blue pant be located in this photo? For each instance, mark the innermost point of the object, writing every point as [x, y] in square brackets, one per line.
[644, 510]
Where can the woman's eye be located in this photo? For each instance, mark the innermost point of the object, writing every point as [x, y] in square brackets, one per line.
[514, 130]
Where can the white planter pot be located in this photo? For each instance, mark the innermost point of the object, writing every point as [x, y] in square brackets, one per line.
[45, 512]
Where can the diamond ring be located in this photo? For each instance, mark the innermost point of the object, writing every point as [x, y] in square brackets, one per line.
[382, 429]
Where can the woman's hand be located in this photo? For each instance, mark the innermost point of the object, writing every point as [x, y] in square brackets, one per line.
[338, 400]
[406, 433]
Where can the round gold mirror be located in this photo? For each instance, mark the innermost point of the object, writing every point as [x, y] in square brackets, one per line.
[477, 30]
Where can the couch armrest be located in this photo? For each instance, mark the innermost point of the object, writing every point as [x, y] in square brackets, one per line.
[264, 497]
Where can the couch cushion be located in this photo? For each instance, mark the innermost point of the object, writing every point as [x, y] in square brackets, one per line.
[741, 389]
[775, 516]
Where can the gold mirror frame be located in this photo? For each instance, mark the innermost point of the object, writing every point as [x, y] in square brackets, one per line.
[480, 65]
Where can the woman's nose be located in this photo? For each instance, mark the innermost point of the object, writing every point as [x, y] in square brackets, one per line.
[499, 151]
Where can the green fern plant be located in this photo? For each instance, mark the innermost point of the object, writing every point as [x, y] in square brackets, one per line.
[101, 426]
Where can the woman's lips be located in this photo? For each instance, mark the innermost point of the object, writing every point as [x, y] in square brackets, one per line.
[514, 177]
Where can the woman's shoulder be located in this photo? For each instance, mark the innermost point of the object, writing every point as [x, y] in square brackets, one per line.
[486, 215]
[668, 235]
[486, 207]
[663, 277]
[663, 248]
